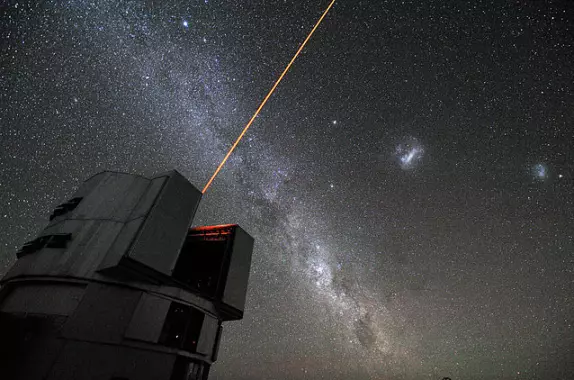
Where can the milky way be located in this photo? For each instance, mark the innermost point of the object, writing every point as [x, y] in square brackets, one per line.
[409, 185]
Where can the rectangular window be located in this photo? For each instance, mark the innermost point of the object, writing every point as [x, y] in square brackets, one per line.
[204, 258]
[182, 327]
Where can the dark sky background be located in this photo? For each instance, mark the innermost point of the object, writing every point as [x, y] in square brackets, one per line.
[410, 185]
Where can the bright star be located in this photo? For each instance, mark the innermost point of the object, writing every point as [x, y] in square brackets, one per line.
[185, 24]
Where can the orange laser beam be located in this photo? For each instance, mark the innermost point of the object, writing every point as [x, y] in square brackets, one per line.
[267, 97]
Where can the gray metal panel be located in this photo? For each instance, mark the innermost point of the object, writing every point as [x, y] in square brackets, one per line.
[29, 345]
[91, 239]
[103, 314]
[148, 318]
[126, 237]
[90, 242]
[20, 267]
[217, 343]
[89, 361]
[112, 196]
[239, 268]
[121, 244]
[164, 231]
[43, 298]
[206, 342]
[41, 359]
[91, 250]
[146, 202]
[44, 260]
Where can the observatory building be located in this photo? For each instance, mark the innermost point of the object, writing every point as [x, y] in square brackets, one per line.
[119, 287]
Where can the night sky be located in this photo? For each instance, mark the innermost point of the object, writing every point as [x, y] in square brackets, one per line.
[410, 185]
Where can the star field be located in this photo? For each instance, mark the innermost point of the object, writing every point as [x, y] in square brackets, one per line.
[409, 186]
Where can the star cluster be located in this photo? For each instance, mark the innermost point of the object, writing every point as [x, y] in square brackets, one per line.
[409, 185]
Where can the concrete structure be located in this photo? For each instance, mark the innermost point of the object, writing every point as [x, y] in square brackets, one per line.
[118, 287]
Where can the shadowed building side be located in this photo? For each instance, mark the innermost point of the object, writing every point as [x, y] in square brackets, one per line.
[117, 286]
